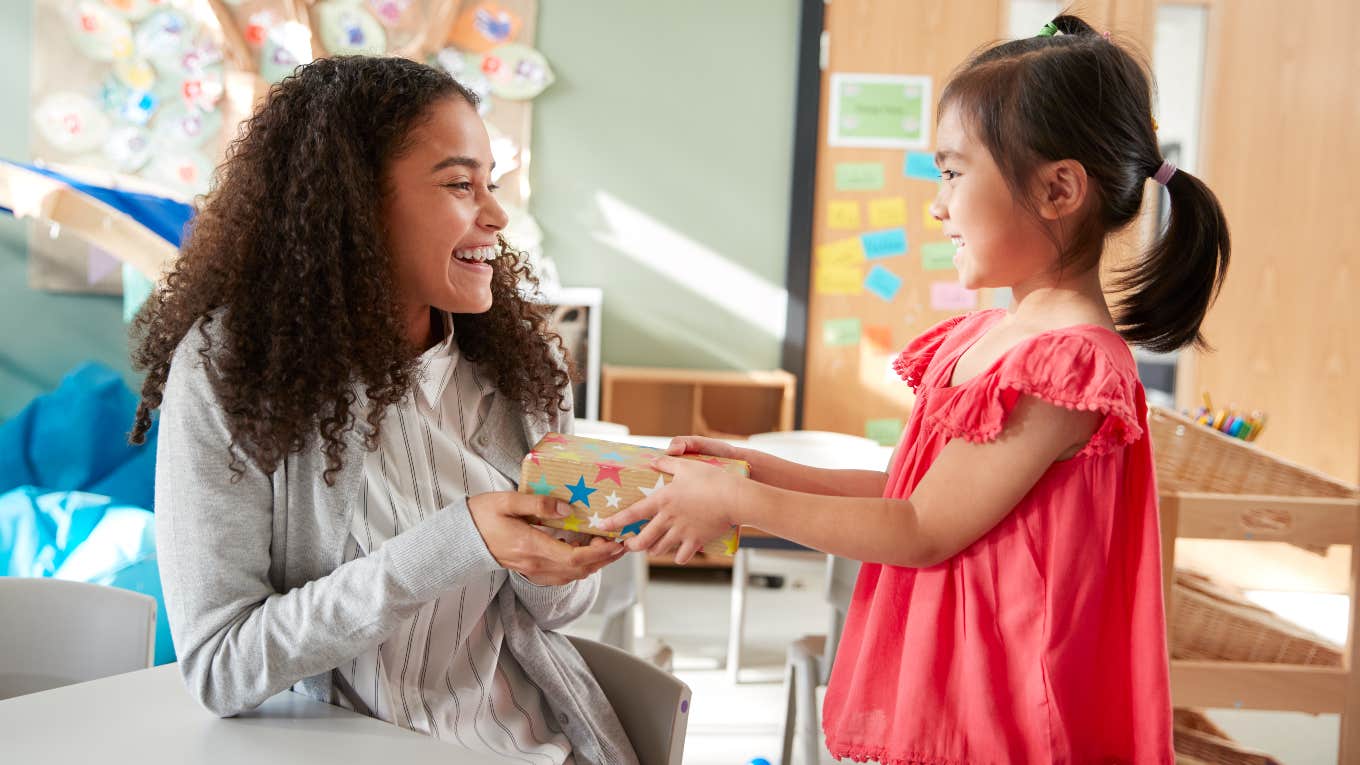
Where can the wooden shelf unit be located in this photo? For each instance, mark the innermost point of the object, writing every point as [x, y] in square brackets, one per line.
[1212, 486]
[675, 402]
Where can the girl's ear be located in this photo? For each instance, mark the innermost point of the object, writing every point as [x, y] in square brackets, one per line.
[1061, 188]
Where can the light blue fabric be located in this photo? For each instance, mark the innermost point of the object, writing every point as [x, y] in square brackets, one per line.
[83, 537]
[75, 439]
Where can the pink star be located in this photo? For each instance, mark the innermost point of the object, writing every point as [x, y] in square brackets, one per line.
[608, 471]
[712, 461]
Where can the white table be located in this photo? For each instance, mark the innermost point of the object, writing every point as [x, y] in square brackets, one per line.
[149, 718]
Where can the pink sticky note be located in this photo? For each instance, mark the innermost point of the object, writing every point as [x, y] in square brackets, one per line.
[951, 296]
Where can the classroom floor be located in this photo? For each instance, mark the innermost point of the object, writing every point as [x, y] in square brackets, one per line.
[731, 725]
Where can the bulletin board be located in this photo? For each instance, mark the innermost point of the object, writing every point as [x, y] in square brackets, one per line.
[880, 270]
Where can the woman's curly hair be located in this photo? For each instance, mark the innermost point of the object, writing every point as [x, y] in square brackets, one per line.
[289, 243]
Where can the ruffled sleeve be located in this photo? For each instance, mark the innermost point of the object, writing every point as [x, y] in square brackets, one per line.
[911, 364]
[1071, 370]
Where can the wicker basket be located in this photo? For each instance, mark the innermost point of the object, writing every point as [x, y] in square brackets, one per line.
[1192, 457]
[1214, 621]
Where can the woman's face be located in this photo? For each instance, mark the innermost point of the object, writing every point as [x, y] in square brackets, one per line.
[441, 218]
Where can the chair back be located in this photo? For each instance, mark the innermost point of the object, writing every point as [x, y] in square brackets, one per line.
[652, 704]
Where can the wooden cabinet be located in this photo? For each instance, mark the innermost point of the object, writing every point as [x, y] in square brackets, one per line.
[677, 402]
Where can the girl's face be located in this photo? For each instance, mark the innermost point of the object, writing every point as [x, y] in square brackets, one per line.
[440, 216]
[999, 241]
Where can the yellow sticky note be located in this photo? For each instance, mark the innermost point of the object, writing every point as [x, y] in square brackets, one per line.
[929, 220]
[842, 253]
[843, 214]
[886, 213]
[838, 280]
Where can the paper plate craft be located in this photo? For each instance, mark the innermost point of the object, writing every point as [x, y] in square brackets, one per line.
[71, 122]
[466, 69]
[135, 73]
[483, 26]
[98, 32]
[133, 10]
[127, 149]
[180, 126]
[389, 13]
[286, 47]
[516, 72]
[186, 170]
[163, 39]
[349, 30]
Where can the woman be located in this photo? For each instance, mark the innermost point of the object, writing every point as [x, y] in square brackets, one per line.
[348, 379]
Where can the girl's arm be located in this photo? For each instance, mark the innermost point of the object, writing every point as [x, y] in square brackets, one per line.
[969, 488]
[784, 474]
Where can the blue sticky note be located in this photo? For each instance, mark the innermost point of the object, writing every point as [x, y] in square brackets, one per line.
[883, 283]
[921, 165]
[886, 243]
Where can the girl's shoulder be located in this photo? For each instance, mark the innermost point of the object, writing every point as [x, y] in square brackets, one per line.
[911, 364]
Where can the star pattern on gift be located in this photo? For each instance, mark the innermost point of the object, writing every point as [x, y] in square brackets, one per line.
[730, 545]
[633, 528]
[613, 500]
[593, 447]
[571, 523]
[553, 438]
[533, 457]
[541, 486]
[612, 457]
[580, 492]
[596, 521]
[608, 472]
[660, 484]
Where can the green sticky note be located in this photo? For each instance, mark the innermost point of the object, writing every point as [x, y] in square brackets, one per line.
[840, 332]
[885, 432]
[879, 111]
[859, 176]
[937, 256]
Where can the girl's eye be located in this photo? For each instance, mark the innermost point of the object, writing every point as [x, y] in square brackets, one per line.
[493, 188]
[948, 175]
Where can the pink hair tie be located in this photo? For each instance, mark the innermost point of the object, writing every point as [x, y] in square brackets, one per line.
[1164, 173]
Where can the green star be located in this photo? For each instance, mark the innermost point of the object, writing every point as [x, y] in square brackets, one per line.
[541, 486]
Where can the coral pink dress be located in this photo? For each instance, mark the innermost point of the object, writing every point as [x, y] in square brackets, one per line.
[1045, 640]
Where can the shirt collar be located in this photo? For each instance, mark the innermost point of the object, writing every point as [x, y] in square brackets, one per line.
[437, 364]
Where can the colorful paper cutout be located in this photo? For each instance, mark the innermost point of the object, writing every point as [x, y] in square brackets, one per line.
[921, 165]
[884, 244]
[937, 256]
[879, 336]
[887, 212]
[838, 280]
[483, 26]
[840, 332]
[879, 111]
[859, 176]
[516, 72]
[842, 252]
[842, 214]
[883, 283]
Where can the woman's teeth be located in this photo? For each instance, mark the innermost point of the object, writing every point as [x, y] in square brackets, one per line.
[476, 254]
[957, 240]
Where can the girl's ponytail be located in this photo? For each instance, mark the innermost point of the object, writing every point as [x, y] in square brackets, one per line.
[1168, 292]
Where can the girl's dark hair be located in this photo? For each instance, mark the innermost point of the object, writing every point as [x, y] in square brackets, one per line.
[1079, 96]
[290, 243]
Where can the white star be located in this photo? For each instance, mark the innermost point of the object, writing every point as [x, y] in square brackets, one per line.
[596, 521]
[613, 500]
[660, 484]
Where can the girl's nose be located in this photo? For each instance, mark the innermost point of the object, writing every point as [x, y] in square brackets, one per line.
[937, 209]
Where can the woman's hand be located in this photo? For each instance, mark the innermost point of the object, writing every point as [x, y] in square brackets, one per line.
[505, 518]
[698, 506]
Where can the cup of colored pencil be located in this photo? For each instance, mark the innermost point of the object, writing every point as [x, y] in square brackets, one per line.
[1231, 421]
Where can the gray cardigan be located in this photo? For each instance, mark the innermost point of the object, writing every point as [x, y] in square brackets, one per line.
[259, 602]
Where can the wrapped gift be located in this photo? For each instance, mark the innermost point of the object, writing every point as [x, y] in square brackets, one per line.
[600, 478]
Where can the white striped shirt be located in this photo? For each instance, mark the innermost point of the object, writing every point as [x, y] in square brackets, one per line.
[445, 671]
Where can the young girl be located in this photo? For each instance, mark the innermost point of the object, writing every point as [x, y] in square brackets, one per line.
[1010, 606]
[348, 379]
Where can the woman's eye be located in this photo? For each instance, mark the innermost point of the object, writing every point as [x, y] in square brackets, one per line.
[492, 187]
[948, 175]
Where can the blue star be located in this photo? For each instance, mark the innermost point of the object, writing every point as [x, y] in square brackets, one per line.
[593, 447]
[580, 492]
[541, 486]
[633, 528]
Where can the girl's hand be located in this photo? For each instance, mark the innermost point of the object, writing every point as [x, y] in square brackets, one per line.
[703, 445]
[505, 518]
[695, 508]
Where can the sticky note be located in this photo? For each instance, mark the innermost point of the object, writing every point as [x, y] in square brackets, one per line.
[884, 244]
[885, 213]
[844, 252]
[921, 165]
[885, 431]
[878, 335]
[883, 283]
[837, 332]
[838, 280]
[951, 296]
[842, 214]
[859, 176]
[937, 256]
[929, 220]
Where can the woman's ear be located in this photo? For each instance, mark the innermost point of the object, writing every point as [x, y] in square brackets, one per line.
[1061, 188]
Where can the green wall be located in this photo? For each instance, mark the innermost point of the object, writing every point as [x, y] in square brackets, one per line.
[660, 172]
[43, 335]
[673, 122]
